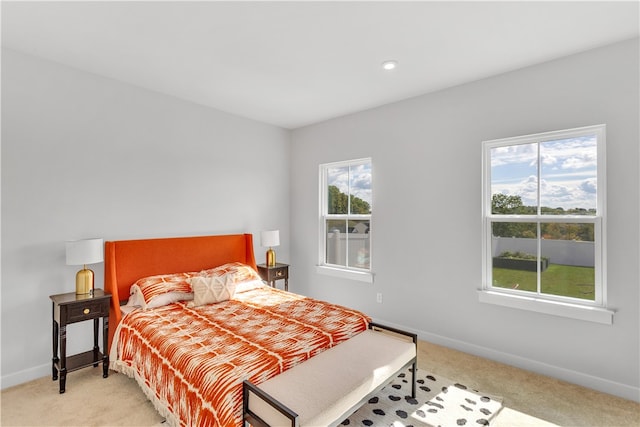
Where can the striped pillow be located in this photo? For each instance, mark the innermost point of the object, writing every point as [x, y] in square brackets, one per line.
[163, 289]
[237, 272]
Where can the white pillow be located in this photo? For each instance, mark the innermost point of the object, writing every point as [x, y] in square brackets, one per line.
[249, 286]
[158, 301]
[134, 302]
[211, 289]
[135, 297]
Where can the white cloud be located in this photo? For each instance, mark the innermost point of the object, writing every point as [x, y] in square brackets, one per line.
[568, 171]
[589, 186]
[566, 194]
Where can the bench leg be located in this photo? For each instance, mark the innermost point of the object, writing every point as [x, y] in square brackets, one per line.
[413, 380]
[253, 419]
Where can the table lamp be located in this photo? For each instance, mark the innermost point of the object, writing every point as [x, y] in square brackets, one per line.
[269, 239]
[83, 252]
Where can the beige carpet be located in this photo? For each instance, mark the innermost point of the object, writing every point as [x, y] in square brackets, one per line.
[528, 399]
[89, 400]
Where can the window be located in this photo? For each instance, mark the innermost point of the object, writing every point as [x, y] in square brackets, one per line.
[543, 219]
[345, 219]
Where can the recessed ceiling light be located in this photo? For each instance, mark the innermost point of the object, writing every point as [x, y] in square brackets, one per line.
[389, 65]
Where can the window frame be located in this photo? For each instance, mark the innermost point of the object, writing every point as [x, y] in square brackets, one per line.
[565, 306]
[336, 270]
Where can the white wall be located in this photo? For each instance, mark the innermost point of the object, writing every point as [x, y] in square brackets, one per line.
[426, 228]
[84, 156]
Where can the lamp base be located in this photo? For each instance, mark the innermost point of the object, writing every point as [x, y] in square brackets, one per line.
[271, 258]
[84, 282]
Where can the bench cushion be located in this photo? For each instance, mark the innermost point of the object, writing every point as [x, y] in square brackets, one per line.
[330, 384]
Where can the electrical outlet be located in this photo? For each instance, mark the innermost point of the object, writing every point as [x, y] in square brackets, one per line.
[379, 297]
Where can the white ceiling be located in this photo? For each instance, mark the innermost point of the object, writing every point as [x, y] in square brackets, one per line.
[297, 63]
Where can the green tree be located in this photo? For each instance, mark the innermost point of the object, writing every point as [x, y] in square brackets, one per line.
[338, 203]
[359, 206]
[512, 205]
[570, 231]
[504, 204]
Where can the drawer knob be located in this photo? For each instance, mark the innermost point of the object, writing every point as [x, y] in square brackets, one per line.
[86, 311]
[279, 273]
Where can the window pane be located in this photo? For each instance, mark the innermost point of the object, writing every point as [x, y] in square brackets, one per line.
[348, 243]
[514, 182]
[514, 258]
[338, 190]
[358, 244]
[336, 242]
[570, 251]
[360, 188]
[568, 176]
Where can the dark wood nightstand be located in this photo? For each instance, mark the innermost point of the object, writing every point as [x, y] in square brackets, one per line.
[72, 308]
[277, 272]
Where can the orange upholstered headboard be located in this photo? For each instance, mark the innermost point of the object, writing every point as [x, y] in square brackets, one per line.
[126, 261]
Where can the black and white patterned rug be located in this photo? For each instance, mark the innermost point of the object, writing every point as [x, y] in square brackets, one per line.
[438, 402]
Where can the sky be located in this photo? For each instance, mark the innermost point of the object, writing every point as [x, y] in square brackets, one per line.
[568, 172]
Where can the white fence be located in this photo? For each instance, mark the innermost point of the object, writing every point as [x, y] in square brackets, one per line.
[565, 252]
[358, 247]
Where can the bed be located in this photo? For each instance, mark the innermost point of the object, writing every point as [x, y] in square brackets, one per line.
[191, 356]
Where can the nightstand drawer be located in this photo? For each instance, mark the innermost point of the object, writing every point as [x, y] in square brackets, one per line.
[280, 273]
[272, 273]
[86, 311]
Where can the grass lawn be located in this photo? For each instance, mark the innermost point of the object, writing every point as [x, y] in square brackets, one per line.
[565, 280]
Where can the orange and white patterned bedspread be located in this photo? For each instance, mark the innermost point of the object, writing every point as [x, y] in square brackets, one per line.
[191, 361]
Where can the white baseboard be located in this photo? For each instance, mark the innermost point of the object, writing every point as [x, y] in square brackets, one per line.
[596, 383]
[25, 376]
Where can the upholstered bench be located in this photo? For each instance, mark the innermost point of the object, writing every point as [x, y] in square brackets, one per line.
[330, 386]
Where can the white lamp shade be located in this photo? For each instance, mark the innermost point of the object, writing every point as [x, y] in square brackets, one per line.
[270, 238]
[81, 252]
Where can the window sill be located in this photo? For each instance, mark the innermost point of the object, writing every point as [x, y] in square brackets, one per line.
[361, 276]
[555, 308]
